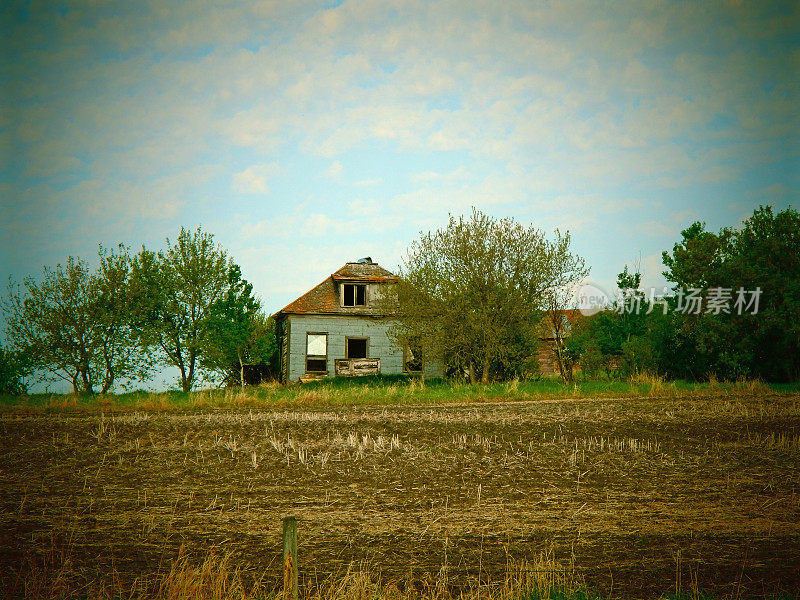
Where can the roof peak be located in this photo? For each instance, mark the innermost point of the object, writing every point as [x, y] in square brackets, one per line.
[363, 270]
[367, 260]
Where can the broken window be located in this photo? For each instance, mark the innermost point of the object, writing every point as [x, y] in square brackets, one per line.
[356, 347]
[412, 356]
[354, 294]
[316, 353]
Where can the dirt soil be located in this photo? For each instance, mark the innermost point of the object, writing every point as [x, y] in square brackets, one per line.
[634, 495]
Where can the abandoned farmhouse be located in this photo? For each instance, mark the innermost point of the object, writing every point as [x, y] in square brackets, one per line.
[337, 328]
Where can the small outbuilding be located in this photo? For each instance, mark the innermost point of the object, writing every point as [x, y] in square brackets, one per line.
[340, 328]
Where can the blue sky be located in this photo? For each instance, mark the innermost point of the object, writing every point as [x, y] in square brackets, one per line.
[306, 134]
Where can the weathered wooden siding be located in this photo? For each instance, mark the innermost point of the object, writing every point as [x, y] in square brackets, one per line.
[284, 334]
[338, 329]
[546, 354]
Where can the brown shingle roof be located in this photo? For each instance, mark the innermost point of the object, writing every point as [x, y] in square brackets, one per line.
[324, 298]
[369, 272]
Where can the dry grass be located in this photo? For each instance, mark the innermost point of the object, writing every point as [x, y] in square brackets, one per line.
[418, 498]
[218, 576]
[657, 385]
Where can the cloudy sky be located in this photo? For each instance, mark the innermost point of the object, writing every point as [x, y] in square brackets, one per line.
[306, 134]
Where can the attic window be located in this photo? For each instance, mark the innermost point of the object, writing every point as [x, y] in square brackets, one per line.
[354, 294]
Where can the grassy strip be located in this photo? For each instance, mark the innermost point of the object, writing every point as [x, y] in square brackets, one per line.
[385, 390]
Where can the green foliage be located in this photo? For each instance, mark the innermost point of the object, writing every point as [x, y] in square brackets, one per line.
[590, 358]
[14, 367]
[177, 289]
[76, 325]
[187, 306]
[763, 254]
[473, 292]
[620, 337]
[638, 356]
[238, 333]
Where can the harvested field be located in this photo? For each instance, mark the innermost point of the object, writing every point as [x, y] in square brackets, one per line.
[634, 495]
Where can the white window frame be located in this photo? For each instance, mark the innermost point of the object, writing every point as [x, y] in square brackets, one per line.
[316, 356]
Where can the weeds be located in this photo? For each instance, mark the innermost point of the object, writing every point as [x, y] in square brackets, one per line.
[373, 390]
[220, 576]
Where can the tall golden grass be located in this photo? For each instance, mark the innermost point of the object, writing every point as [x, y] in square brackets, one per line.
[217, 576]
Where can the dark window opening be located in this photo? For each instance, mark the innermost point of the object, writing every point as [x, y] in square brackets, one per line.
[356, 347]
[316, 365]
[354, 295]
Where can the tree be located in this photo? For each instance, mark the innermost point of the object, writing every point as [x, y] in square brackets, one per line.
[76, 325]
[621, 335]
[50, 322]
[14, 368]
[116, 326]
[177, 289]
[762, 254]
[473, 292]
[556, 301]
[239, 334]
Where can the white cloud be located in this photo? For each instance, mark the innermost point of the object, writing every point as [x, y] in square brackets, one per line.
[369, 182]
[669, 227]
[254, 179]
[364, 207]
[774, 191]
[651, 268]
[280, 227]
[516, 107]
[334, 171]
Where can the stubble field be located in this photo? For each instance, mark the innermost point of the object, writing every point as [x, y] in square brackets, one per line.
[632, 497]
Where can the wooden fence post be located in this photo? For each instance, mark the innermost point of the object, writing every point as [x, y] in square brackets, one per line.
[290, 575]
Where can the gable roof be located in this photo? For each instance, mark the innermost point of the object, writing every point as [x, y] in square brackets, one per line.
[324, 297]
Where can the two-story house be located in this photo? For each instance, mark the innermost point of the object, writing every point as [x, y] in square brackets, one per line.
[339, 327]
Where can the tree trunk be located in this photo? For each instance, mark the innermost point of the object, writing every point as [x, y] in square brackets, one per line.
[563, 369]
[472, 379]
[181, 367]
[241, 368]
[560, 361]
[486, 366]
[108, 379]
[184, 381]
[87, 384]
[190, 378]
